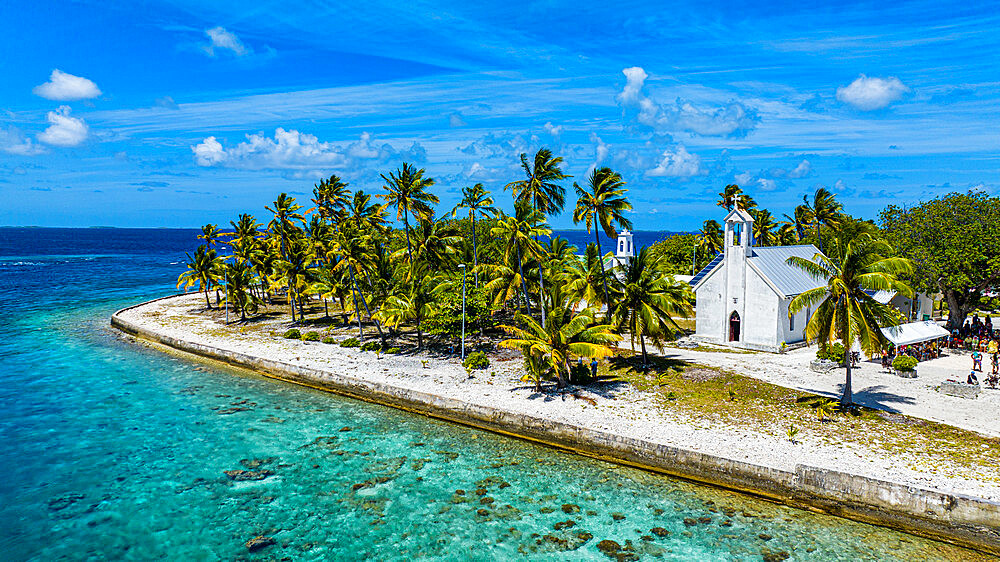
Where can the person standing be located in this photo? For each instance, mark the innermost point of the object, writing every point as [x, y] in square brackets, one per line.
[977, 360]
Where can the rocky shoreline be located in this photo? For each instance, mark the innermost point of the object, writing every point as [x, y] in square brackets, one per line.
[617, 428]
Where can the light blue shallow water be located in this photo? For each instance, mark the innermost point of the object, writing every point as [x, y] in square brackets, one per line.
[114, 451]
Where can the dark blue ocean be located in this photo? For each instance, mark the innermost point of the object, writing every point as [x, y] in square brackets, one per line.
[114, 451]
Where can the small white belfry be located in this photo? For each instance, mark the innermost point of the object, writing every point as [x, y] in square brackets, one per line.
[625, 248]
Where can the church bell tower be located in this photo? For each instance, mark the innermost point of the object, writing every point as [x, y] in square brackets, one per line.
[738, 247]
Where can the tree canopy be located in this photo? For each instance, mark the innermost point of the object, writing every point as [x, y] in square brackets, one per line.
[954, 244]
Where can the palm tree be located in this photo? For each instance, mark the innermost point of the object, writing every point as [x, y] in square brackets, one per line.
[295, 270]
[330, 198]
[285, 211]
[566, 334]
[583, 279]
[601, 204]
[407, 192]
[520, 233]
[351, 249]
[203, 269]
[846, 311]
[413, 304]
[211, 234]
[650, 300]
[824, 210]
[786, 235]
[539, 188]
[710, 239]
[366, 214]
[432, 245]
[800, 219]
[239, 288]
[728, 196]
[763, 227]
[478, 201]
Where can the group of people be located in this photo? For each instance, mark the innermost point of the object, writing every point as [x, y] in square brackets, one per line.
[920, 351]
[974, 335]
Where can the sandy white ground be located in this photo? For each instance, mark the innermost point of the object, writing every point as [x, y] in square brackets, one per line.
[627, 412]
[872, 386]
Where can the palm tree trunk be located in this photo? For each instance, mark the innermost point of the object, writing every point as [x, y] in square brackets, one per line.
[326, 309]
[819, 236]
[406, 227]
[208, 303]
[475, 251]
[524, 286]
[420, 337]
[848, 398]
[381, 335]
[642, 344]
[541, 291]
[357, 311]
[563, 382]
[604, 279]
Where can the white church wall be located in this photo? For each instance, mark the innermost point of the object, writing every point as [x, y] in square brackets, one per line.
[708, 307]
[759, 327]
[791, 332]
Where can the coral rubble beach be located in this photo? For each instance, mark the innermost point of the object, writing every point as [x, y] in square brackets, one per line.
[946, 502]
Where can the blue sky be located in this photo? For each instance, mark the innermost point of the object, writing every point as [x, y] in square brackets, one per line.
[182, 113]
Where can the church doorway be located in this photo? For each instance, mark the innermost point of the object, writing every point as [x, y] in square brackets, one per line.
[734, 326]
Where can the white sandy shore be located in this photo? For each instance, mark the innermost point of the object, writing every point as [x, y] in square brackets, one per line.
[627, 412]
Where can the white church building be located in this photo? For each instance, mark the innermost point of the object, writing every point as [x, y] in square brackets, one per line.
[742, 296]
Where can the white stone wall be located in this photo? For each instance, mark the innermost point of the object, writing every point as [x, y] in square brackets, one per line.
[785, 333]
[761, 319]
[708, 315]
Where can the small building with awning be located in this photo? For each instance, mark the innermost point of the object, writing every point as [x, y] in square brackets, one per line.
[914, 332]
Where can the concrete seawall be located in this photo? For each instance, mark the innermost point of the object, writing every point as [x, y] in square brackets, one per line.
[964, 520]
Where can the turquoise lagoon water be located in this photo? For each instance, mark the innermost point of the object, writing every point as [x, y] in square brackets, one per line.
[115, 451]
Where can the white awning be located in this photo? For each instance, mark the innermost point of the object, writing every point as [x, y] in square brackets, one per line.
[914, 332]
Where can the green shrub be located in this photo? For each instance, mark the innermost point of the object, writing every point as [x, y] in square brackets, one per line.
[293, 334]
[371, 346]
[393, 350]
[476, 360]
[580, 373]
[350, 342]
[329, 339]
[904, 363]
[833, 352]
[310, 336]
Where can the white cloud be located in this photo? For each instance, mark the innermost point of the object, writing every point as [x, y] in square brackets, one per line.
[802, 170]
[553, 130]
[732, 120]
[13, 141]
[601, 149]
[64, 130]
[166, 102]
[299, 151]
[766, 184]
[635, 77]
[868, 94]
[679, 163]
[743, 179]
[224, 40]
[455, 120]
[63, 86]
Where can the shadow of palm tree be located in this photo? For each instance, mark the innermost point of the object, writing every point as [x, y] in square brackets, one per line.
[871, 397]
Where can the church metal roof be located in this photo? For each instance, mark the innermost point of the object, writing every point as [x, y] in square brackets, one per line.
[772, 262]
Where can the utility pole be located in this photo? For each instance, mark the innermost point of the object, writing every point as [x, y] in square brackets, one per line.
[462, 267]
